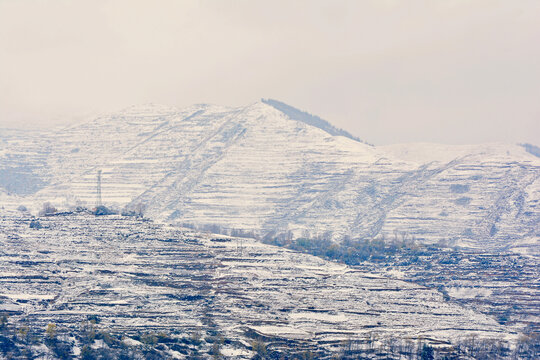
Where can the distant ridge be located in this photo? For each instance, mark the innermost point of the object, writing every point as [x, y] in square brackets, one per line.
[309, 119]
[532, 149]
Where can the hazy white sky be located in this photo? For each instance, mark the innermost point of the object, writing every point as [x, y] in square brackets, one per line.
[452, 71]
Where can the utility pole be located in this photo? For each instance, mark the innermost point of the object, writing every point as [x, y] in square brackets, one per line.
[240, 246]
[98, 189]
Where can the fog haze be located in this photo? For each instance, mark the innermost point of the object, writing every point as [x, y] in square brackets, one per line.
[387, 71]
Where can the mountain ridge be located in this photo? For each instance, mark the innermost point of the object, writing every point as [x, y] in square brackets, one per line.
[257, 168]
[313, 120]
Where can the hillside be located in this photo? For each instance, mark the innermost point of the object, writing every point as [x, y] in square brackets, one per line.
[136, 277]
[268, 167]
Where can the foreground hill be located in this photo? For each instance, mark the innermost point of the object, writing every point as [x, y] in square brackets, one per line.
[134, 277]
[270, 168]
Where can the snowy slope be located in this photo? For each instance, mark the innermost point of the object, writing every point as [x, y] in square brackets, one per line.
[141, 276]
[269, 168]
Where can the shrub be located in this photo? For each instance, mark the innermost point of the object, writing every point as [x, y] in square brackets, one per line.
[3, 322]
[35, 224]
[427, 353]
[51, 331]
[87, 353]
[259, 348]
[102, 210]
[48, 209]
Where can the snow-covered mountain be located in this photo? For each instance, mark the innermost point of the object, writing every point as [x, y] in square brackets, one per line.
[270, 167]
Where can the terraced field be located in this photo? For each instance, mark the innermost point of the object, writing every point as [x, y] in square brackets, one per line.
[137, 275]
[268, 167]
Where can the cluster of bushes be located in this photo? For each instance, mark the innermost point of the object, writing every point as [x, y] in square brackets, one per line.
[218, 229]
[373, 345]
[136, 210]
[418, 349]
[354, 252]
[49, 209]
[89, 342]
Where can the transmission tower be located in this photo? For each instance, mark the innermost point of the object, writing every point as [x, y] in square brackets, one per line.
[98, 189]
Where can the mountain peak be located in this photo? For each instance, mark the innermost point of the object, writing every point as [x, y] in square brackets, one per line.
[309, 119]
